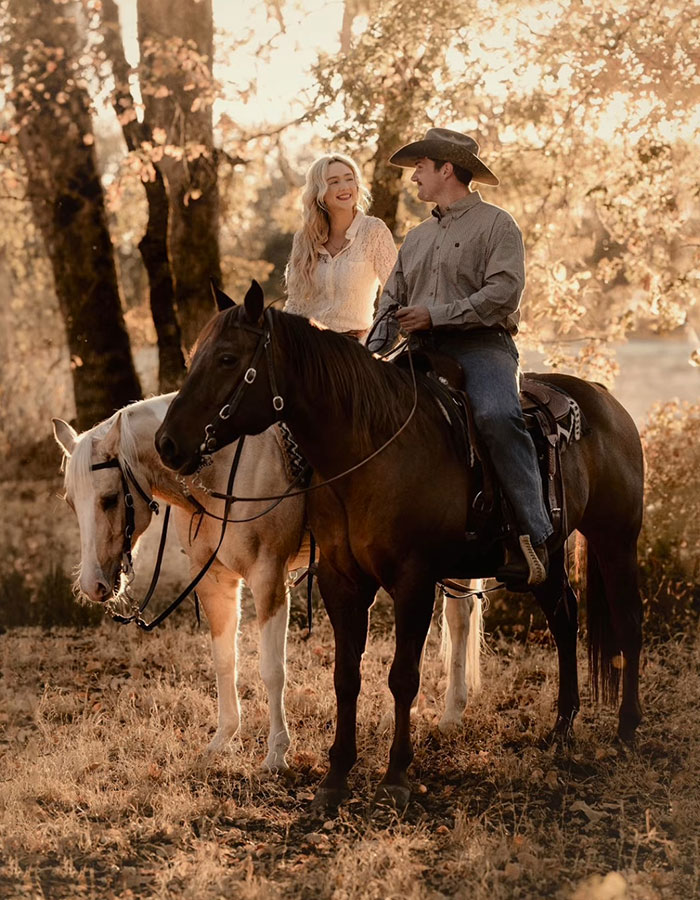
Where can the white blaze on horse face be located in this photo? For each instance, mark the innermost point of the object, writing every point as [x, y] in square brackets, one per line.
[99, 506]
[97, 496]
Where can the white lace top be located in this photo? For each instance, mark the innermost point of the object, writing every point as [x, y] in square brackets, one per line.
[346, 284]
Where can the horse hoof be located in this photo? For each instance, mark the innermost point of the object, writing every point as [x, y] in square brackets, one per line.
[449, 726]
[275, 764]
[626, 738]
[395, 796]
[218, 743]
[327, 798]
[563, 741]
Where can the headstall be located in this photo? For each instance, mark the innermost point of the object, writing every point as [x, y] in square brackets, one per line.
[210, 444]
[127, 476]
[127, 563]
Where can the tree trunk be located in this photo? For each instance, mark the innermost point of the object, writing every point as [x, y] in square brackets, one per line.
[176, 40]
[56, 141]
[386, 180]
[153, 246]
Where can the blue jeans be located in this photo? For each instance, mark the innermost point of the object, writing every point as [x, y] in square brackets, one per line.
[490, 363]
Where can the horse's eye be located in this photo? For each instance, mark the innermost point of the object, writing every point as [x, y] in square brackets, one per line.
[228, 360]
[109, 501]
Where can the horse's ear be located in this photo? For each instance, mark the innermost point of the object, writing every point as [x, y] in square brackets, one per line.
[66, 437]
[254, 303]
[222, 300]
[110, 443]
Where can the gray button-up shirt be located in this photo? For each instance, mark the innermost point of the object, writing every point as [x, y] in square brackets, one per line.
[466, 265]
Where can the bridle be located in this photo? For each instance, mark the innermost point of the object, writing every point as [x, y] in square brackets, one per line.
[127, 475]
[127, 567]
[210, 445]
[264, 332]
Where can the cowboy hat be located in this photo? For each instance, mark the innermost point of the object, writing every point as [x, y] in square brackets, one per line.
[441, 143]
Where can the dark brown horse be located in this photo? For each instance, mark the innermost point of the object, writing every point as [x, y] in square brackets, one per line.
[399, 520]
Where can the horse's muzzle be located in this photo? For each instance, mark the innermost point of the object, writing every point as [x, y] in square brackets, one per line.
[172, 456]
[98, 588]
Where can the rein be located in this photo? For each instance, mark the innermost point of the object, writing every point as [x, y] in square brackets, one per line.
[209, 444]
[127, 566]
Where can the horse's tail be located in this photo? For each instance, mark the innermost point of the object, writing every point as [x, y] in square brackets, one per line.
[603, 652]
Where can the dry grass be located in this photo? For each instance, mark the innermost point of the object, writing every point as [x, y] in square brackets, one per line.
[105, 795]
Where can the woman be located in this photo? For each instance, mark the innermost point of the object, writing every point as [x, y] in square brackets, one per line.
[340, 256]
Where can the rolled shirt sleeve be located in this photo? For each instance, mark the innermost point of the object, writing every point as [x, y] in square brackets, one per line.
[383, 252]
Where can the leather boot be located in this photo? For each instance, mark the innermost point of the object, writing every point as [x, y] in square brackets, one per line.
[524, 567]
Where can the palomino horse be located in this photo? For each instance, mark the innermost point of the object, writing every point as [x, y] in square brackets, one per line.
[399, 520]
[260, 551]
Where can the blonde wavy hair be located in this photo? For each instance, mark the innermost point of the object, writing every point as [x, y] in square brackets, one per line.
[301, 268]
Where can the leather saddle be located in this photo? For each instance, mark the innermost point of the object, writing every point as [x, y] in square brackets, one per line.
[552, 417]
[534, 394]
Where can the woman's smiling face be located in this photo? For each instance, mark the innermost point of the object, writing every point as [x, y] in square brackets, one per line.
[341, 192]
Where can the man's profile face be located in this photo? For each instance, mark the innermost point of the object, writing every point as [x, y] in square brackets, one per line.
[429, 181]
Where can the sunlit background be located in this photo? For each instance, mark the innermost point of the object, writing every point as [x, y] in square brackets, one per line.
[589, 113]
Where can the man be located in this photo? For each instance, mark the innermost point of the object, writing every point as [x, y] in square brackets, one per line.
[458, 282]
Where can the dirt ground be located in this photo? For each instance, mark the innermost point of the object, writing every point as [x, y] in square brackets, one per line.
[105, 793]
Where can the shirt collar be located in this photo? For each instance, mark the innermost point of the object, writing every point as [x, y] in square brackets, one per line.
[354, 225]
[351, 233]
[459, 207]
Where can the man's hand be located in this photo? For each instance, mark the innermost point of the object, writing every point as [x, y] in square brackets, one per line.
[414, 318]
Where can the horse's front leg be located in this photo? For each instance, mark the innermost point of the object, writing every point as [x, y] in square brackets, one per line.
[266, 580]
[413, 608]
[219, 593]
[347, 603]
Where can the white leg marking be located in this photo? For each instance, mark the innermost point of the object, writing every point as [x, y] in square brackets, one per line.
[462, 634]
[273, 658]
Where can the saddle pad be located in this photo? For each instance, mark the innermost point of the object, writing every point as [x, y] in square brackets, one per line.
[561, 410]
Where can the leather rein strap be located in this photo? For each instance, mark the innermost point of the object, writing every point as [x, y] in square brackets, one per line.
[137, 615]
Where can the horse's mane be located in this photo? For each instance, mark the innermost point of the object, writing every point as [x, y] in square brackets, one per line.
[79, 466]
[376, 396]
